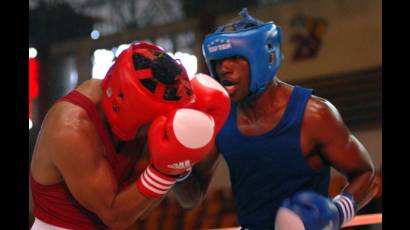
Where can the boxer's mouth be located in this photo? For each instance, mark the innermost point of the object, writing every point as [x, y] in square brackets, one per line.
[227, 83]
[229, 86]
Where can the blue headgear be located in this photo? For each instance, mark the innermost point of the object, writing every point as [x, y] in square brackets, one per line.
[256, 41]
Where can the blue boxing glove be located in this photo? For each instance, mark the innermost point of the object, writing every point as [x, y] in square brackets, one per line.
[311, 211]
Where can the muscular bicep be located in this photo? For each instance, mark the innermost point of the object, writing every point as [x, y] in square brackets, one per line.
[336, 143]
[347, 155]
[87, 173]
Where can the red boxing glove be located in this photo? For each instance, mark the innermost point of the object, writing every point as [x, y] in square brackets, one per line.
[180, 140]
[176, 142]
[211, 98]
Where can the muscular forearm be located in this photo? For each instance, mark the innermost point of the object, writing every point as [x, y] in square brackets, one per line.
[192, 191]
[188, 192]
[127, 207]
[363, 187]
[151, 207]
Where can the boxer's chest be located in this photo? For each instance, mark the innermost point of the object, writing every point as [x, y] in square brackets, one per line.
[264, 123]
[258, 123]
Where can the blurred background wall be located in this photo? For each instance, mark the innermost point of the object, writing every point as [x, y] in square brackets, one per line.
[332, 46]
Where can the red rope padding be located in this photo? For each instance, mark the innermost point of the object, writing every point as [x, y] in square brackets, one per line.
[357, 221]
[365, 220]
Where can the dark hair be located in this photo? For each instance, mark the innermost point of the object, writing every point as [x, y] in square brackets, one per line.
[164, 69]
[240, 22]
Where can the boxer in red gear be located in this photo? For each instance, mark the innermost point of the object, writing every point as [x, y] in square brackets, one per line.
[91, 166]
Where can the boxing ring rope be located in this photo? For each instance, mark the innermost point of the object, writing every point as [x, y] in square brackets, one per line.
[365, 220]
[359, 220]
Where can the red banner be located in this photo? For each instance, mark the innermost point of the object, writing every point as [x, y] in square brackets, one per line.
[33, 90]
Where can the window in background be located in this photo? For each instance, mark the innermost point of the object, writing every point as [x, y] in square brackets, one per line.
[102, 59]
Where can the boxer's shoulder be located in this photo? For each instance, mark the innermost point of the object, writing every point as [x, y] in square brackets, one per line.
[318, 105]
[65, 118]
[320, 111]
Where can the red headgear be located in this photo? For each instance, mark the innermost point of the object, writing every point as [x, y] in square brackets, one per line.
[127, 101]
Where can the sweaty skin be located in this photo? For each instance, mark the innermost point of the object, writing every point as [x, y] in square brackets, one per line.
[69, 150]
[325, 139]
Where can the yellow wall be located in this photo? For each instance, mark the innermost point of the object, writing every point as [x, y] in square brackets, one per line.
[352, 40]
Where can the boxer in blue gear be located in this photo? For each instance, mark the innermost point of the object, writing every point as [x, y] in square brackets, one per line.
[280, 141]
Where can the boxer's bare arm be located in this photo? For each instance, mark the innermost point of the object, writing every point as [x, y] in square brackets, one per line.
[341, 149]
[79, 157]
[192, 191]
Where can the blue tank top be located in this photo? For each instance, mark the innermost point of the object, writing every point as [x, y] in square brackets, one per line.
[266, 169]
